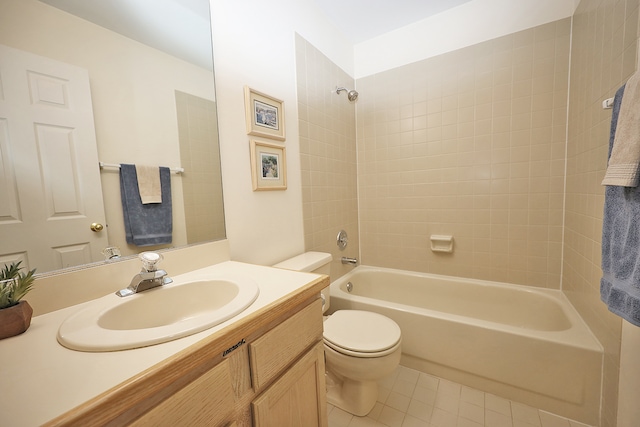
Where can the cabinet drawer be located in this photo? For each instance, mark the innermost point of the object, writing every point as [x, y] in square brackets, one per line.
[207, 401]
[276, 349]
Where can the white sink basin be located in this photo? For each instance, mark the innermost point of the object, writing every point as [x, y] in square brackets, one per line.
[158, 315]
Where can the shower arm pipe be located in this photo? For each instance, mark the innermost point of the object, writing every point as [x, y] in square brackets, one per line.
[352, 95]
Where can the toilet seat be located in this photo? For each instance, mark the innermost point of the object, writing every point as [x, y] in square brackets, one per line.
[361, 333]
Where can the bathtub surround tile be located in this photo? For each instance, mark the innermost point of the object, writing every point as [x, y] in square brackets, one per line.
[488, 106]
[437, 402]
[327, 125]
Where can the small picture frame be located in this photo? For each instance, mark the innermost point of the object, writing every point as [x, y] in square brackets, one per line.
[264, 115]
[268, 166]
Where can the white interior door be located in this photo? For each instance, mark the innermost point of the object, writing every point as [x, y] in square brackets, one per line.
[50, 190]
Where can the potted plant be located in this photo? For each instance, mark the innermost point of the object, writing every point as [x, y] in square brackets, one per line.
[15, 315]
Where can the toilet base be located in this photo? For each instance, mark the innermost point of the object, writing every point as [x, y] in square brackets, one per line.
[356, 397]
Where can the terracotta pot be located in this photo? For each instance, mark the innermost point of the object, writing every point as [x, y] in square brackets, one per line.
[15, 320]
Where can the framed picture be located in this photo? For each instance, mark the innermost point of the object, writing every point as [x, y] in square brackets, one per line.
[264, 114]
[268, 166]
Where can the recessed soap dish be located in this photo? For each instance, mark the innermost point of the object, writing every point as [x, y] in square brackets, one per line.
[441, 243]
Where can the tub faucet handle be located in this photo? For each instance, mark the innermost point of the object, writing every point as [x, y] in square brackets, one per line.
[347, 260]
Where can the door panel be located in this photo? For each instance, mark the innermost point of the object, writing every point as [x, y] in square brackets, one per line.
[49, 172]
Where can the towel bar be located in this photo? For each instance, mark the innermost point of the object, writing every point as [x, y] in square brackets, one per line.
[607, 104]
[113, 165]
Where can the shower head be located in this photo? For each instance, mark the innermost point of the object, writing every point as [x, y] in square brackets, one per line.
[352, 95]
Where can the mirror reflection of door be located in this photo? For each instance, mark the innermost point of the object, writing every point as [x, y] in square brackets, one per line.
[50, 190]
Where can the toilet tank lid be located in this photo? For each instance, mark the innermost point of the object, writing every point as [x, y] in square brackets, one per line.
[307, 261]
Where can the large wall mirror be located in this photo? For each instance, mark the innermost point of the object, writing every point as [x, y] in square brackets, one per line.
[105, 83]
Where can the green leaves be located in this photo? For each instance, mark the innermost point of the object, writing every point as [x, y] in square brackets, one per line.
[13, 284]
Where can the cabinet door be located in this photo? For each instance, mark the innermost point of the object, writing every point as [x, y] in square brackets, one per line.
[297, 398]
[207, 401]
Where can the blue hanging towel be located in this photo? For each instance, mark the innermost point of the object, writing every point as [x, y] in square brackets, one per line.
[620, 283]
[145, 224]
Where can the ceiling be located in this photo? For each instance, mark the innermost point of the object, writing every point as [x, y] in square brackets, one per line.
[178, 27]
[361, 20]
[180, 21]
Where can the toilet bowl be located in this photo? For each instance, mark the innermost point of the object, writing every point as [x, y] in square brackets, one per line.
[360, 347]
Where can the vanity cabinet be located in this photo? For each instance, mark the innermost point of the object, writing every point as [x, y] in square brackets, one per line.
[267, 370]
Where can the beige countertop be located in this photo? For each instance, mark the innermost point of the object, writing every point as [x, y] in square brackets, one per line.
[40, 379]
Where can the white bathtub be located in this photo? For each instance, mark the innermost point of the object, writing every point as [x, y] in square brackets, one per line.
[522, 343]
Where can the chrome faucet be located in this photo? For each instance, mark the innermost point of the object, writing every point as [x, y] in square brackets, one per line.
[347, 260]
[148, 278]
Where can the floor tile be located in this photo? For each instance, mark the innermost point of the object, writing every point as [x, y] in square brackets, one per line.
[409, 398]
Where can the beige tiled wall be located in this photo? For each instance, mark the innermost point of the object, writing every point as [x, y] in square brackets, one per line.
[471, 144]
[327, 155]
[605, 41]
[200, 157]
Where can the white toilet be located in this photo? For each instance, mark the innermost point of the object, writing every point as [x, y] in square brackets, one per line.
[360, 347]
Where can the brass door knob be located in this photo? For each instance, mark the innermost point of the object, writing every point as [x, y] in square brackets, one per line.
[96, 227]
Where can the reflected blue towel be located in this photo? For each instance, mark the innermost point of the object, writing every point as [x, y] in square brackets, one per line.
[620, 283]
[150, 224]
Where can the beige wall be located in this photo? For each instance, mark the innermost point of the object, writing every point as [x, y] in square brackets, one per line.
[605, 41]
[327, 155]
[471, 144]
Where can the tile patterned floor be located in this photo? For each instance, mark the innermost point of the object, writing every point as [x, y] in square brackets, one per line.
[410, 398]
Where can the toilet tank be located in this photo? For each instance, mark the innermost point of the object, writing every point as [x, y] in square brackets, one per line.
[311, 262]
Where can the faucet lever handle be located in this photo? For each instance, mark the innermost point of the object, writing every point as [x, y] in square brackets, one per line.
[149, 260]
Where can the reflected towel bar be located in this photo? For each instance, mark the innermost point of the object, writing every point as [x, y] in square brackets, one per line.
[113, 165]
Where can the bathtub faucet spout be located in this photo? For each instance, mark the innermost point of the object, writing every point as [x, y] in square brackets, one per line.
[347, 260]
